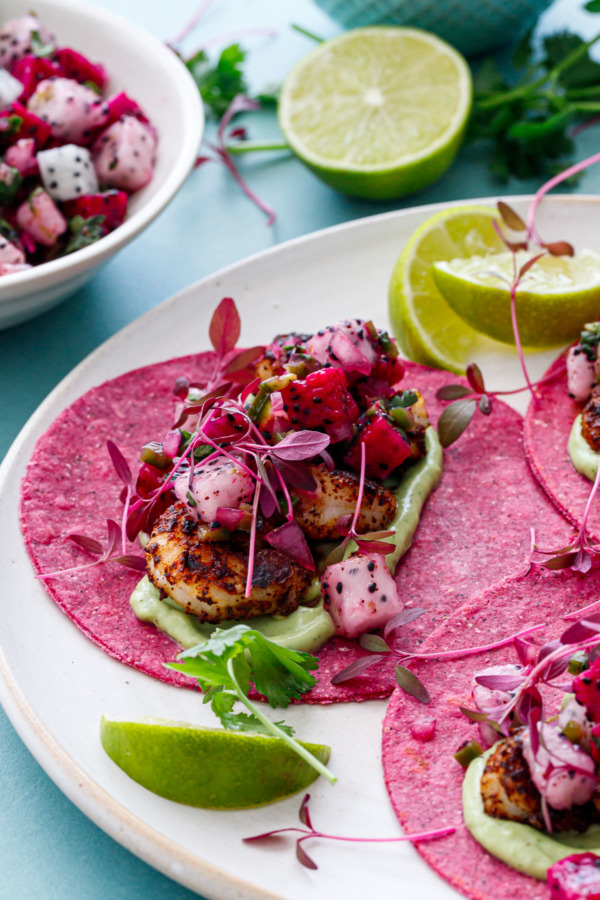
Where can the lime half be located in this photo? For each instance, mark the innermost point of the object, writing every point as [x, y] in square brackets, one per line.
[426, 327]
[377, 112]
[208, 767]
[557, 296]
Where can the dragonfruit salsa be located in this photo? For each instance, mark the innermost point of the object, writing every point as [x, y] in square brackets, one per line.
[539, 777]
[279, 493]
[72, 154]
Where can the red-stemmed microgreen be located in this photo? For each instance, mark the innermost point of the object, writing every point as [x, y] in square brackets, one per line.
[373, 541]
[309, 832]
[112, 552]
[381, 650]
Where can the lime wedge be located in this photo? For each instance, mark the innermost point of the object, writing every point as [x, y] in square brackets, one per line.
[426, 328]
[557, 296]
[208, 767]
[377, 112]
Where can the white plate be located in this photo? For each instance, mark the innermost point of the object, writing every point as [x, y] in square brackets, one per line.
[56, 684]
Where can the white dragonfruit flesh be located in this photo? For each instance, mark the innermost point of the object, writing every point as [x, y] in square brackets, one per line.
[215, 484]
[72, 110]
[124, 154]
[67, 172]
[15, 39]
[360, 594]
[345, 345]
[11, 268]
[9, 254]
[581, 374]
[21, 156]
[10, 89]
[41, 219]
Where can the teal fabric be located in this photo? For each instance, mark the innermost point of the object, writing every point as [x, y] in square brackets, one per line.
[49, 849]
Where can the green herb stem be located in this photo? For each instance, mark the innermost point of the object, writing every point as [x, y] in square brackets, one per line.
[506, 97]
[582, 93]
[277, 732]
[255, 147]
[572, 58]
[586, 107]
[308, 34]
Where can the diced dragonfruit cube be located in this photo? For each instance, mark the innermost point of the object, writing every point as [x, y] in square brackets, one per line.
[124, 154]
[576, 877]
[385, 448]
[215, 484]
[120, 105]
[346, 345]
[15, 38]
[586, 688]
[9, 254]
[77, 66]
[10, 89]
[31, 126]
[30, 70]
[360, 594]
[110, 204]
[321, 400]
[22, 156]
[67, 171]
[73, 110]
[40, 218]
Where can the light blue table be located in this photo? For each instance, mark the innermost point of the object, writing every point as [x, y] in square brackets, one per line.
[48, 849]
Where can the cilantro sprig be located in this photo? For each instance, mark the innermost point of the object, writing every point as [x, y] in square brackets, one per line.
[231, 661]
[532, 114]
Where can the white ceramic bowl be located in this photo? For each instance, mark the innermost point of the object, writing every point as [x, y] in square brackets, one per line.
[140, 64]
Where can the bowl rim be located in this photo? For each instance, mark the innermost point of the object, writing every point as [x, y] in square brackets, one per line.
[54, 271]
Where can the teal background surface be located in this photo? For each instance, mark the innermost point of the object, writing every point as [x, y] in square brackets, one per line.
[48, 848]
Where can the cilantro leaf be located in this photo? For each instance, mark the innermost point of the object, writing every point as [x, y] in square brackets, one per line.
[222, 706]
[280, 674]
[85, 232]
[219, 82]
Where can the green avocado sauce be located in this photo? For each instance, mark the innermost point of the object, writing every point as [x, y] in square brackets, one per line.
[308, 627]
[518, 845]
[582, 456]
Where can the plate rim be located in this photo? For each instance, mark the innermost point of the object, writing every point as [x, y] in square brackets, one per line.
[95, 801]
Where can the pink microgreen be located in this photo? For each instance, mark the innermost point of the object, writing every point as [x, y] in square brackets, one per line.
[454, 420]
[120, 463]
[405, 617]
[411, 685]
[374, 643]
[356, 668]
[475, 378]
[309, 832]
[511, 218]
[225, 327]
[299, 445]
[243, 359]
[289, 539]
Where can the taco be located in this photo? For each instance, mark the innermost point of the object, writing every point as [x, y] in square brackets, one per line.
[416, 769]
[71, 487]
[562, 430]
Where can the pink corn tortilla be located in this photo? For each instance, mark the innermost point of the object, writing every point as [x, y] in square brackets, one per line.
[423, 780]
[473, 532]
[546, 432]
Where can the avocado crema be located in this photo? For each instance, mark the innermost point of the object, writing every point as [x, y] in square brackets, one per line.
[582, 456]
[308, 627]
[518, 845]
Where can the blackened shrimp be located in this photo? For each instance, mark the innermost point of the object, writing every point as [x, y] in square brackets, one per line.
[208, 578]
[317, 512]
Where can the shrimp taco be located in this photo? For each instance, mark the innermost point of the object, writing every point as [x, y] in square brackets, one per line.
[278, 486]
[506, 751]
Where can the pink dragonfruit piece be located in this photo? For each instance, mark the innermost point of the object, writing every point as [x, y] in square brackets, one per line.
[345, 345]
[77, 66]
[31, 125]
[321, 400]
[581, 375]
[8, 174]
[386, 447]
[576, 877]
[21, 156]
[216, 484]
[423, 729]
[120, 105]
[111, 204]
[41, 219]
[73, 111]
[360, 594]
[124, 154]
[557, 768]
[586, 688]
[9, 254]
[30, 71]
[10, 268]
[15, 39]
